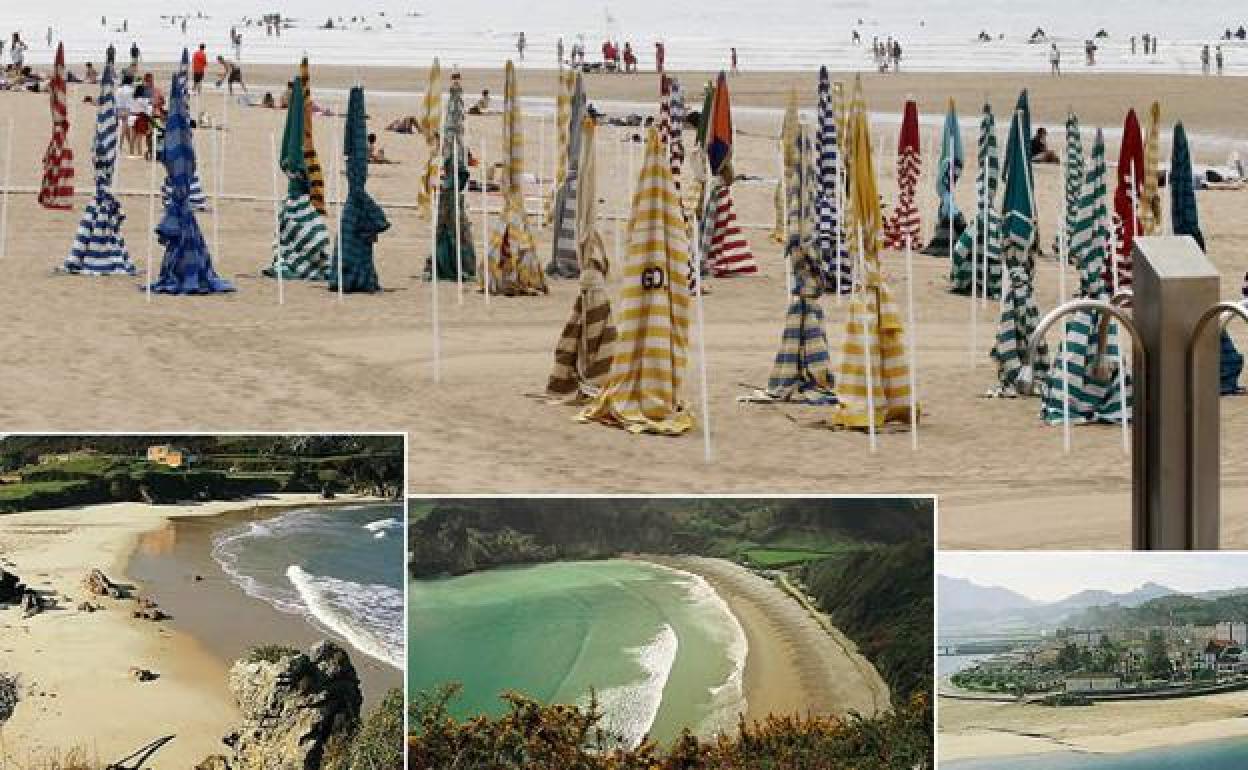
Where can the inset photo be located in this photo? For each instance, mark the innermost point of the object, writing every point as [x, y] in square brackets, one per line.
[1092, 661]
[225, 602]
[670, 632]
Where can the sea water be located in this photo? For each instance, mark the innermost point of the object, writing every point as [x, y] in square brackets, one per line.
[1211, 755]
[339, 567]
[770, 35]
[658, 647]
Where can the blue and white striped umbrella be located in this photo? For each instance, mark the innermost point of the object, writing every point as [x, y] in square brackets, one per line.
[187, 265]
[199, 201]
[833, 248]
[99, 247]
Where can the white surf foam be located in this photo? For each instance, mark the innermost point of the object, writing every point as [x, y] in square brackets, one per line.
[630, 710]
[370, 617]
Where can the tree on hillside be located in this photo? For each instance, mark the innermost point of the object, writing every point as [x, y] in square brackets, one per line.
[1157, 663]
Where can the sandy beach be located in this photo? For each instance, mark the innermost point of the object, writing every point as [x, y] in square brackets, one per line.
[367, 363]
[73, 666]
[793, 666]
[982, 730]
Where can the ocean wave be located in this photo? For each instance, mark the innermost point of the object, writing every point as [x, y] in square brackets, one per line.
[630, 710]
[381, 527]
[368, 616]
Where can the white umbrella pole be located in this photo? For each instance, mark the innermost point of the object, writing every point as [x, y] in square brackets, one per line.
[216, 192]
[706, 401]
[914, 345]
[4, 202]
[979, 222]
[338, 158]
[866, 343]
[435, 210]
[840, 224]
[151, 226]
[541, 158]
[983, 261]
[279, 263]
[619, 164]
[485, 220]
[459, 246]
[949, 148]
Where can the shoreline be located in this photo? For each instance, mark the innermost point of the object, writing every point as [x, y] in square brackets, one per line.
[57, 651]
[792, 665]
[977, 730]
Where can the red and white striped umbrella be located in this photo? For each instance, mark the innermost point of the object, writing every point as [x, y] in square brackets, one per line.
[57, 188]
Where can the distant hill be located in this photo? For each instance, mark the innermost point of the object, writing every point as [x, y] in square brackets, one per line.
[966, 607]
[1177, 609]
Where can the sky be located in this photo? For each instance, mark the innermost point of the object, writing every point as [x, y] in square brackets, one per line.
[1050, 576]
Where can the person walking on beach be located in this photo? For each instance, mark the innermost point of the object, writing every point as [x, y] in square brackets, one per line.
[521, 43]
[231, 74]
[1055, 61]
[17, 52]
[734, 61]
[660, 53]
[199, 66]
[1218, 59]
[134, 54]
[896, 56]
[1089, 51]
[1204, 60]
[559, 52]
[1133, 43]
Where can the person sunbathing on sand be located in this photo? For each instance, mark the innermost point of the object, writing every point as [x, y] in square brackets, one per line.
[1040, 152]
[483, 104]
[408, 124]
[377, 154]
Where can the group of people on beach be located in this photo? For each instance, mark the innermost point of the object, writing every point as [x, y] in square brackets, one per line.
[1207, 61]
[886, 54]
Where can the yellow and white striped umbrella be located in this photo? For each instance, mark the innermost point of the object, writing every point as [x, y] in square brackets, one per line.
[1150, 205]
[431, 129]
[873, 379]
[316, 176]
[643, 390]
[563, 130]
[513, 268]
[788, 147]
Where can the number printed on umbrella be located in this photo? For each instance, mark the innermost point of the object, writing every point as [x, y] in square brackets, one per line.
[652, 278]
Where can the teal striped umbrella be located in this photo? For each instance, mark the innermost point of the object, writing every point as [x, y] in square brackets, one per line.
[1019, 315]
[1092, 387]
[1074, 180]
[301, 248]
[987, 229]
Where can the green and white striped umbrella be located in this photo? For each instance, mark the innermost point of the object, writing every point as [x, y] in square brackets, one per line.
[987, 228]
[1074, 182]
[1091, 364]
[1019, 316]
[301, 249]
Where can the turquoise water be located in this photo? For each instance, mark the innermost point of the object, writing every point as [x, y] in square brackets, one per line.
[1212, 755]
[658, 646]
[339, 567]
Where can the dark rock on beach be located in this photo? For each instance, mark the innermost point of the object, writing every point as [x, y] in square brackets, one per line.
[98, 584]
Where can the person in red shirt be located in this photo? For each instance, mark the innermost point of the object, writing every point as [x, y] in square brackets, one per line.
[199, 65]
[659, 55]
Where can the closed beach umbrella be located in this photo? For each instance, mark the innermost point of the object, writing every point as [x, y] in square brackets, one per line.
[1150, 202]
[430, 128]
[833, 247]
[643, 392]
[676, 136]
[788, 144]
[903, 226]
[57, 188]
[362, 220]
[454, 165]
[198, 199]
[303, 243]
[987, 230]
[1089, 364]
[800, 370]
[311, 161]
[1074, 178]
[513, 267]
[1185, 220]
[724, 246]
[564, 262]
[187, 265]
[873, 381]
[99, 247]
[1127, 194]
[1019, 315]
[949, 221]
[562, 129]
[584, 351]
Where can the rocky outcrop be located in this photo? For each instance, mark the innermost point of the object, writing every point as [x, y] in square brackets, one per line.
[298, 709]
[148, 609]
[98, 584]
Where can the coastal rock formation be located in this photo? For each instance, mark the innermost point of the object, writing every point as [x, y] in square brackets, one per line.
[98, 584]
[143, 674]
[149, 610]
[298, 709]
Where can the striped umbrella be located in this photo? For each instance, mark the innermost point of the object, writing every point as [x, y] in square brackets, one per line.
[197, 198]
[643, 389]
[564, 261]
[800, 371]
[187, 265]
[1150, 202]
[57, 188]
[676, 135]
[454, 163]
[1074, 179]
[903, 225]
[361, 220]
[949, 221]
[987, 229]
[1126, 195]
[584, 351]
[513, 268]
[563, 128]
[430, 128]
[724, 246]
[302, 246]
[311, 161]
[99, 247]
[833, 248]
[788, 144]
[1019, 316]
[1185, 220]
[1089, 362]
[873, 380]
